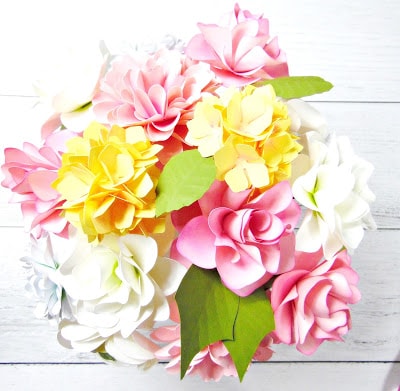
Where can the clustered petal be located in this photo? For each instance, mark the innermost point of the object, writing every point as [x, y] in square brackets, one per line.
[240, 53]
[156, 91]
[108, 180]
[248, 133]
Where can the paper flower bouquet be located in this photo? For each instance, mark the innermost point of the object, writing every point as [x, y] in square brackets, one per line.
[186, 206]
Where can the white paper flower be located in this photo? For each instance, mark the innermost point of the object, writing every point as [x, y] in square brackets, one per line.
[306, 118]
[68, 86]
[137, 349]
[309, 125]
[115, 288]
[336, 194]
[44, 256]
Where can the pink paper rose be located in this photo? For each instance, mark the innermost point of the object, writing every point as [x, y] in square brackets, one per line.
[247, 241]
[241, 53]
[28, 174]
[211, 363]
[310, 303]
[156, 91]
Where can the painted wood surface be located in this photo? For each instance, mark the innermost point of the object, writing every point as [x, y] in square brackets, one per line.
[265, 377]
[356, 45]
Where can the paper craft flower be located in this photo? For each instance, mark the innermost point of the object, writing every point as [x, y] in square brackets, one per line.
[29, 174]
[306, 120]
[43, 258]
[211, 363]
[116, 288]
[248, 241]
[156, 91]
[311, 304]
[68, 87]
[338, 199]
[252, 113]
[248, 133]
[240, 166]
[205, 129]
[240, 53]
[108, 180]
[187, 205]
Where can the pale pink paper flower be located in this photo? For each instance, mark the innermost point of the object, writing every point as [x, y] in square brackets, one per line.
[247, 241]
[240, 53]
[310, 303]
[157, 91]
[28, 174]
[211, 363]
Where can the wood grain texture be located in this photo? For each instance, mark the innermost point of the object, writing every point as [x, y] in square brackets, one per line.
[353, 44]
[266, 377]
[356, 46]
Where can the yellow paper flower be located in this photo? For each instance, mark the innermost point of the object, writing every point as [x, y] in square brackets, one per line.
[205, 129]
[108, 179]
[261, 146]
[278, 151]
[253, 112]
[240, 165]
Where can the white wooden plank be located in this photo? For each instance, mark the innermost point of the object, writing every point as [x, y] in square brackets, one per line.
[375, 335]
[357, 48]
[276, 376]
[370, 127]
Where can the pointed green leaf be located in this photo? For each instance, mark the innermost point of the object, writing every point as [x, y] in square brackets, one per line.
[106, 356]
[298, 86]
[207, 310]
[184, 179]
[255, 319]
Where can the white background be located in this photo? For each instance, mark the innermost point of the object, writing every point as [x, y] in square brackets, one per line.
[354, 44]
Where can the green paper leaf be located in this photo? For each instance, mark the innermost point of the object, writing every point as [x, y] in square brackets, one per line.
[208, 311]
[255, 319]
[297, 86]
[184, 179]
[106, 356]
